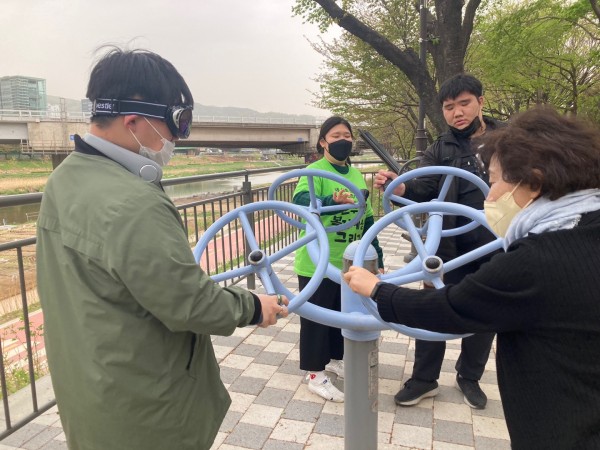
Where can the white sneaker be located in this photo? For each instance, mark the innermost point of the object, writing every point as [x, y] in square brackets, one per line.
[336, 366]
[326, 389]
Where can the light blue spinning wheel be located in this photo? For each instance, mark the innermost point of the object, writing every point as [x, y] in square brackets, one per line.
[426, 266]
[259, 262]
[450, 173]
[316, 208]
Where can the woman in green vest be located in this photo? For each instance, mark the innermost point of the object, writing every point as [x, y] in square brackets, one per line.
[321, 346]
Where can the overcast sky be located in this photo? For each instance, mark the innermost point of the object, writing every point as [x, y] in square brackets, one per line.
[244, 53]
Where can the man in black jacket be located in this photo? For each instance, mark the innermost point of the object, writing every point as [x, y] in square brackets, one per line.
[461, 98]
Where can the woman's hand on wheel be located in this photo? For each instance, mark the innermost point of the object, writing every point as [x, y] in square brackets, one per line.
[361, 280]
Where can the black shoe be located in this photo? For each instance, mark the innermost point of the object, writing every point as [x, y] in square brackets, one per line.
[414, 391]
[474, 396]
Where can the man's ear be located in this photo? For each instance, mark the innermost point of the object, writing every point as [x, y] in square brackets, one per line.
[481, 100]
[130, 122]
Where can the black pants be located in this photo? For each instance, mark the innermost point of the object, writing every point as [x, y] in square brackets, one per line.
[319, 344]
[474, 352]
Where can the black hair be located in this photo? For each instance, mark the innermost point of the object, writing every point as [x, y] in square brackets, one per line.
[136, 74]
[328, 125]
[463, 82]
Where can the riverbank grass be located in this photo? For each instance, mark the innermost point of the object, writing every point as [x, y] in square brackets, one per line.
[26, 176]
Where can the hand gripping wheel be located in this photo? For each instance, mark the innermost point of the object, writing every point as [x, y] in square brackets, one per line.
[259, 262]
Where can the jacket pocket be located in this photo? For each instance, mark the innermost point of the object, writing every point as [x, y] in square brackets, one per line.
[191, 367]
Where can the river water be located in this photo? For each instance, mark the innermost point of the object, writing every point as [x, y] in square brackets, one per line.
[15, 215]
[218, 186]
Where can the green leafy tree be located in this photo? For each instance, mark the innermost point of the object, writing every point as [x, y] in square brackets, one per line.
[538, 52]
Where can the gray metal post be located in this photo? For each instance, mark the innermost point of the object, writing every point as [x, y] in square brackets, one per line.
[361, 367]
[247, 199]
[421, 136]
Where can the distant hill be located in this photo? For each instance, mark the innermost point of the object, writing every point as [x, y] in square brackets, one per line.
[74, 106]
[232, 111]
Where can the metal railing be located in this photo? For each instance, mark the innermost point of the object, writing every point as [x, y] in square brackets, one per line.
[46, 147]
[229, 250]
[23, 115]
[33, 115]
[8, 360]
[226, 251]
[258, 120]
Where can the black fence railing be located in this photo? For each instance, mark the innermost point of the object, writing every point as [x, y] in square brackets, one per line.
[22, 356]
[20, 363]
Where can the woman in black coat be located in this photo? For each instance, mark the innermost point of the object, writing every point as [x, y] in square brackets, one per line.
[542, 296]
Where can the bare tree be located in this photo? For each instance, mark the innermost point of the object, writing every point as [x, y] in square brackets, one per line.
[450, 24]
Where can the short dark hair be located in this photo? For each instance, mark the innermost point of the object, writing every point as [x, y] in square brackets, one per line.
[463, 82]
[545, 150]
[136, 74]
[328, 125]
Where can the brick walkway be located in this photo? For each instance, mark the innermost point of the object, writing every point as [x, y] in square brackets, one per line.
[273, 409]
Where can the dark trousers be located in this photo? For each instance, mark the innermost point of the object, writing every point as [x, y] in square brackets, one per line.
[474, 352]
[319, 344]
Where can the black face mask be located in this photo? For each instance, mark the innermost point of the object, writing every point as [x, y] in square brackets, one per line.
[466, 133]
[341, 149]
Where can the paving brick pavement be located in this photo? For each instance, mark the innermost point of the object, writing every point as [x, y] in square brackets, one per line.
[272, 408]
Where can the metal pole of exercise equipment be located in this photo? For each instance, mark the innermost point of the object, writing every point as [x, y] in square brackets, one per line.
[361, 366]
[247, 198]
[421, 136]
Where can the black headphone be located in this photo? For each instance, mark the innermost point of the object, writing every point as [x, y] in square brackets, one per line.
[144, 168]
[178, 117]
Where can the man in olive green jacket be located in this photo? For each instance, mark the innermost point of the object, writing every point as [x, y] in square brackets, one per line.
[128, 312]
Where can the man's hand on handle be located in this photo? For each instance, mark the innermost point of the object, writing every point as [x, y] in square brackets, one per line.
[384, 175]
[273, 306]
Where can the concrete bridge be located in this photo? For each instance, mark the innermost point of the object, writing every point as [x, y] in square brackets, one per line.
[47, 132]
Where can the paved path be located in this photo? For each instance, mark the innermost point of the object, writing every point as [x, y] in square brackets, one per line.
[272, 408]
[14, 341]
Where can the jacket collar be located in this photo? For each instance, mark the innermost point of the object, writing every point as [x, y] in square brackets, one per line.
[490, 123]
[83, 147]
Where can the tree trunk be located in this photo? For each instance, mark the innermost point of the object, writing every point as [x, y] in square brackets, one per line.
[449, 38]
[596, 8]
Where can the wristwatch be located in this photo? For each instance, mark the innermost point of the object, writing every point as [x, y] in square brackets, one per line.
[376, 290]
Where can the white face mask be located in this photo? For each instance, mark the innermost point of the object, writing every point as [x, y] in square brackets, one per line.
[162, 156]
[499, 214]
